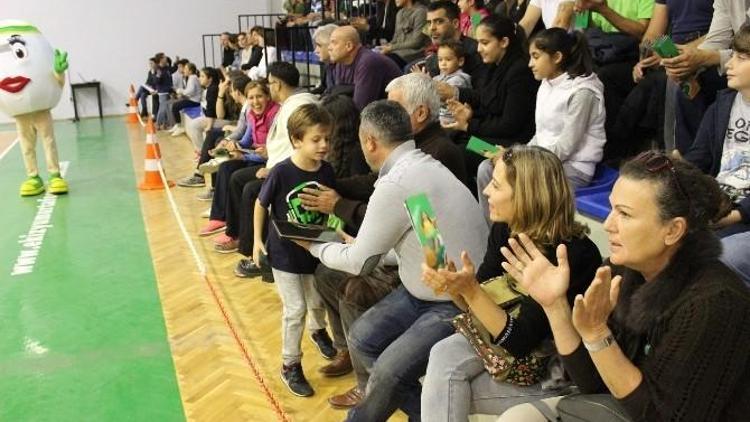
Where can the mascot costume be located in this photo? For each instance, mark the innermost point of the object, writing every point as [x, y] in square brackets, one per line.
[31, 79]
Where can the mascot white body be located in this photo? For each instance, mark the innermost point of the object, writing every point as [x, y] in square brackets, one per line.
[32, 75]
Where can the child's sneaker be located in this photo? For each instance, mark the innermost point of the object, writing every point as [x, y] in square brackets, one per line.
[32, 186]
[324, 343]
[294, 379]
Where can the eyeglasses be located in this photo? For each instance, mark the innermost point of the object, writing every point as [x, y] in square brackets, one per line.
[656, 162]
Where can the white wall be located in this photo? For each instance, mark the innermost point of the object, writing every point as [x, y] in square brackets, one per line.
[111, 41]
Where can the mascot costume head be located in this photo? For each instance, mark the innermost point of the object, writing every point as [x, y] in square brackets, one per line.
[31, 78]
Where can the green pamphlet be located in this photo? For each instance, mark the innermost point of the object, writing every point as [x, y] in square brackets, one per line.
[424, 222]
[478, 146]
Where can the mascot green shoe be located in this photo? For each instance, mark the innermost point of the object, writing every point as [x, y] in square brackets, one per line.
[57, 185]
[32, 186]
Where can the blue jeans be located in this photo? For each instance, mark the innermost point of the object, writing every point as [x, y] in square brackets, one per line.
[736, 254]
[392, 342]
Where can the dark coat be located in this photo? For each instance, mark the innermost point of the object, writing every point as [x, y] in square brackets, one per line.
[503, 97]
[687, 332]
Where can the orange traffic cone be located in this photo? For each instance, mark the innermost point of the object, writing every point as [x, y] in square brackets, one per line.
[151, 177]
[132, 116]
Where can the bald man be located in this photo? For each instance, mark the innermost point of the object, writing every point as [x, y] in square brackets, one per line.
[357, 70]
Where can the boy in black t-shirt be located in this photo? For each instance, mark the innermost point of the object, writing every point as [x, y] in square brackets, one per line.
[293, 267]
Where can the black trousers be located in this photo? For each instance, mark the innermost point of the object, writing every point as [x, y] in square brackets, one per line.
[219, 204]
[179, 105]
[244, 189]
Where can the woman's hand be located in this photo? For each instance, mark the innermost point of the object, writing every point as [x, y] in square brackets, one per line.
[591, 310]
[258, 248]
[462, 113]
[544, 282]
[449, 280]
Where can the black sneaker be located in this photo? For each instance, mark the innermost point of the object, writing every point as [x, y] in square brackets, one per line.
[246, 268]
[295, 380]
[324, 343]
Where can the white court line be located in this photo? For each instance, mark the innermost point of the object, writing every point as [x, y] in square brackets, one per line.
[2, 155]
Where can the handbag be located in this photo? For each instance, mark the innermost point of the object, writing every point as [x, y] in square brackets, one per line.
[498, 362]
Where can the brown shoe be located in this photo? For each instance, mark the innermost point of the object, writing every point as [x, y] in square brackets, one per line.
[347, 400]
[341, 365]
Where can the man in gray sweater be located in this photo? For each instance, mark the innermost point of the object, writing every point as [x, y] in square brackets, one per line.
[392, 340]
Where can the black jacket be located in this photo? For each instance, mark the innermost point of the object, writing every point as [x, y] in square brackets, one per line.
[503, 97]
[531, 327]
[687, 332]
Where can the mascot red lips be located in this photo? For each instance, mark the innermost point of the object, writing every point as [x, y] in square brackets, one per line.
[14, 84]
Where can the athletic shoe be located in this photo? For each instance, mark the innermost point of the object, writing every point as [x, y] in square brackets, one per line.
[206, 196]
[226, 247]
[295, 380]
[324, 343]
[213, 226]
[32, 186]
[194, 181]
[212, 165]
[222, 238]
[178, 132]
[57, 185]
[246, 268]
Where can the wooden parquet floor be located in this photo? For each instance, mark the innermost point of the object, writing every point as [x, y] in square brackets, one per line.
[216, 382]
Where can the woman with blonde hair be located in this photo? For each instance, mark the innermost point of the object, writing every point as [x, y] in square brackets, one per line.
[501, 353]
[664, 326]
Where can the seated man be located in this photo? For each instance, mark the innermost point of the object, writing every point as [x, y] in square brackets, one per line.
[358, 70]
[408, 41]
[625, 17]
[392, 340]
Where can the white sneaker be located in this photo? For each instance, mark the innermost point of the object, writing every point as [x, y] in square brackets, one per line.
[179, 131]
[206, 213]
[212, 165]
[175, 127]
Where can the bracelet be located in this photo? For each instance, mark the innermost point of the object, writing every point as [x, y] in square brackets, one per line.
[599, 344]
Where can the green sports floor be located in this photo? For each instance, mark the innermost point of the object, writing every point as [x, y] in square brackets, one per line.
[82, 336]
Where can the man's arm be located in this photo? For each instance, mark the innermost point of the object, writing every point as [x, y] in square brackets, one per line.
[530, 18]
[634, 27]
[379, 233]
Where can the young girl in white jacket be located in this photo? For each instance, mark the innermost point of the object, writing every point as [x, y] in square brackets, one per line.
[570, 102]
[569, 105]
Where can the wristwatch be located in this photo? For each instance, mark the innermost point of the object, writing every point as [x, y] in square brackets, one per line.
[600, 344]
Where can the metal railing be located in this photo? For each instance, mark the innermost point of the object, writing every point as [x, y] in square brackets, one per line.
[211, 48]
[267, 20]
